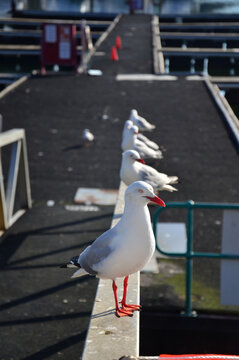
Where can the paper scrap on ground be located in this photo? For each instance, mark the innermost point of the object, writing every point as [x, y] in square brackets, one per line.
[95, 196]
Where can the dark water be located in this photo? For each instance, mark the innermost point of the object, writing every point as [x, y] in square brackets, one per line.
[121, 6]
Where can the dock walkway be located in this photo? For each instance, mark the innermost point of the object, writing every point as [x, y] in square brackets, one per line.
[44, 314]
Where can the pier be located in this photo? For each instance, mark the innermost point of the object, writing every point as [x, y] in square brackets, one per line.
[199, 132]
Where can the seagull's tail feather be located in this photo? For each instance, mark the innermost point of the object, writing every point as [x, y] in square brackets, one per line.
[173, 179]
[79, 273]
[152, 127]
[152, 145]
[169, 188]
[158, 154]
[148, 127]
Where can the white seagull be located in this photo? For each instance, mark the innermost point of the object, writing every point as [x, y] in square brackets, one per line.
[131, 142]
[87, 137]
[133, 169]
[141, 122]
[124, 249]
[128, 124]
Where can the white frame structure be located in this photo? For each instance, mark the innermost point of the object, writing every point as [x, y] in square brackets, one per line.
[18, 167]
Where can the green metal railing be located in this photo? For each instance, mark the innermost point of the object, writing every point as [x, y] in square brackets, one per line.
[189, 255]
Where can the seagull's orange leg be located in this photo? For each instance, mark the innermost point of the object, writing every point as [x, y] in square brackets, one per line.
[120, 311]
[123, 302]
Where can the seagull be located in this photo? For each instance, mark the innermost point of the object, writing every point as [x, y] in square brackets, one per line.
[87, 137]
[128, 124]
[141, 122]
[131, 142]
[124, 249]
[133, 168]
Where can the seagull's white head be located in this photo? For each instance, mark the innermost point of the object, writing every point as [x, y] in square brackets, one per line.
[134, 130]
[132, 156]
[134, 112]
[142, 192]
[128, 124]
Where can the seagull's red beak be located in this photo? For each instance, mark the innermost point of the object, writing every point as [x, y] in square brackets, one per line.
[156, 200]
[141, 161]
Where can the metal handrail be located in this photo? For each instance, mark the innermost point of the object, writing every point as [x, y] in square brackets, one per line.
[190, 254]
[18, 170]
[87, 47]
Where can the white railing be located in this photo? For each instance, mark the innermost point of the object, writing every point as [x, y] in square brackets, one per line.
[18, 174]
[88, 49]
[158, 57]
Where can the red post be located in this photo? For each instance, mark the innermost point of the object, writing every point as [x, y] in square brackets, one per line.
[114, 54]
[118, 42]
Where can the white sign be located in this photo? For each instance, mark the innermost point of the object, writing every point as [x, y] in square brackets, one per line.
[65, 50]
[50, 33]
[172, 237]
[230, 268]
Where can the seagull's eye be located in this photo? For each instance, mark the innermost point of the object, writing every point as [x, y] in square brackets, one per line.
[140, 191]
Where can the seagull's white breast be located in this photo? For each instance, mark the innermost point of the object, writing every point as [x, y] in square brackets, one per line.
[133, 248]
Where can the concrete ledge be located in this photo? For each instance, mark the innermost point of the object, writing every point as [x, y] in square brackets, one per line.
[110, 337]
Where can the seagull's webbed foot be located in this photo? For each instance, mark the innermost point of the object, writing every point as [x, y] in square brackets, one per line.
[132, 307]
[125, 306]
[123, 312]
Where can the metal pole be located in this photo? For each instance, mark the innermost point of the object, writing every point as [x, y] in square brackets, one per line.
[83, 45]
[189, 259]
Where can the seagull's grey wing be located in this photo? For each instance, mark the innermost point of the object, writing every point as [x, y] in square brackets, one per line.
[144, 150]
[141, 137]
[146, 124]
[149, 176]
[98, 251]
[140, 123]
[147, 141]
